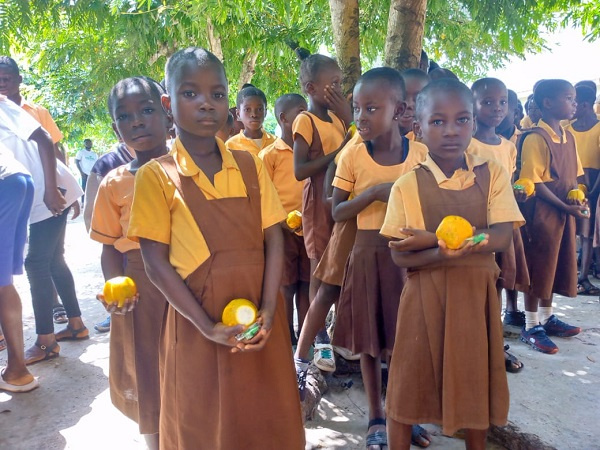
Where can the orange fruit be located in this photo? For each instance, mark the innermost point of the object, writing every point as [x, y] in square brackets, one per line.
[576, 194]
[294, 219]
[526, 184]
[453, 230]
[118, 289]
[352, 129]
[582, 187]
[239, 312]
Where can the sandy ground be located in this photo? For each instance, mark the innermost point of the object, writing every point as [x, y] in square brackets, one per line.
[555, 397]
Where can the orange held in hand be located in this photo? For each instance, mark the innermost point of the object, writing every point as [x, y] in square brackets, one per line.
[352, 129]
[118, 289]
[294, 219]
[239, 312]
[582, 187]
[453, 230]
[526, 184]
[576, 194]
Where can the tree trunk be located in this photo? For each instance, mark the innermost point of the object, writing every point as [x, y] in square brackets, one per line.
[404, 40]
[248, 67]
[214, 41]
[344, 20]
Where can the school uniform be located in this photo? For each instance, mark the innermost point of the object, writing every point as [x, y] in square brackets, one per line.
[330, 268]
[448, 361]
[254, 146]
[515, 136]
[210, 397]
[588, 149]
[134, 337]
[278, 159]
[512, 262]
[366, 317]
[527, 123]
[322, 138]
[550, 234]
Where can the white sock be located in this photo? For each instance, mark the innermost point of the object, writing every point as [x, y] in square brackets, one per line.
[544, 314]
[531, 319]
[301, 364]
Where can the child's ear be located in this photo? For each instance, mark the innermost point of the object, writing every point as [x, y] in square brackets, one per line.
[237, 115]
[417, 130]
[309, 88]
[165, 101]
[546, 103]
[282, 118]
[399, 110]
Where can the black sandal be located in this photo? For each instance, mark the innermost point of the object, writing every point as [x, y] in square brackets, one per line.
[377, 437]
[418, 434]
[50, 352]
[585, 287]
[510, 361]
[59, 315]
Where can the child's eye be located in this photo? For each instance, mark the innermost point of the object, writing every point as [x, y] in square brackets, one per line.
[356, 109]
[189, 94]
[148, 110]
[464, 120]
[503, 102]
[437, 122]
[371, 109]
[219, 95]
[121, 117]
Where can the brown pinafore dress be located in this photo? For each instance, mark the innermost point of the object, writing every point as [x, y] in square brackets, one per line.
[317, 222]
[134, 342]
[549, 234]
[448, 361]
[212, 398]
[331, 267]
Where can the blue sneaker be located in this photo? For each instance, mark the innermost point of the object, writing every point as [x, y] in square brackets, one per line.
[536, 337]
[104, 326]
[556, 327]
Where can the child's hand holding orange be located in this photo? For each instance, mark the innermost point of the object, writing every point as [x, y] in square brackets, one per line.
[119, 295]
[417, 240]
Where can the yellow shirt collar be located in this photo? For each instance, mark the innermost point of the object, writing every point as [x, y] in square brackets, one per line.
[188, 167]
[555, 137]
[471, 160]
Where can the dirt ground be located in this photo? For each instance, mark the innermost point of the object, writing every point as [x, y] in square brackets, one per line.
[555, 397]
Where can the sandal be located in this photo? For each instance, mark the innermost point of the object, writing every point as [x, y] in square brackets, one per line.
[420, 436]
[301, 376]
[17, 388]
[512, 364]
[69, 334]
[2, 343]
[377, 437]
[59, 314]
[585, 287]
[50, 352]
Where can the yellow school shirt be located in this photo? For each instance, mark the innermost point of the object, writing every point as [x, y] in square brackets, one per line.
[588, 146]
[515, 136]
[278, 159]
[331, 134]
[241, 142]
[527, 123]
[44, 118]
[357, 171]
[404, 206]
[112, 210]
[505, 153]
[159, 213]
[535, 156]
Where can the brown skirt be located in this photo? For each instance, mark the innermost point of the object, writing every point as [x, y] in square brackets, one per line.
[448, 361]
[296, 265]
[513, 265]
[317, 222]
[549, 240]
[134, 343]
[331, 268]
[368, 306]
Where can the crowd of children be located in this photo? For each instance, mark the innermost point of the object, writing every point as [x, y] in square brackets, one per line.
[204, 222]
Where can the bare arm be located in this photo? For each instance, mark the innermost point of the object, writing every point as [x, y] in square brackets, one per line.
[53, 199]
[305, 168]
[328, 183]
[111, 261]
[59, 154]
[498, 239]
[163, 275]
[548, 196]
[91, 190]
[344, 209]
[274, 260]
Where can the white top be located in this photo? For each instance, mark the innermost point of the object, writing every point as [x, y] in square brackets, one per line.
[16, 127]
[87, 159]
[8, 164]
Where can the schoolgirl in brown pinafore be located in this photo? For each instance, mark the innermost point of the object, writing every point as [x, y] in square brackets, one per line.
[246, 396]
[443, 371]
[549, 235]
[317, 222]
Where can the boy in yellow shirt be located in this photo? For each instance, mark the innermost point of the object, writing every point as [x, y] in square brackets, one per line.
[278, 159]
[586, 130]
